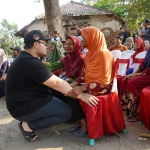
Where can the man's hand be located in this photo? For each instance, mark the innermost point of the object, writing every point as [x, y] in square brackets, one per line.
[89, 99]
[3, 77]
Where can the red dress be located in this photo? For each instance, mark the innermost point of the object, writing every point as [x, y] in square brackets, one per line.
[107, 116]
[144, 114]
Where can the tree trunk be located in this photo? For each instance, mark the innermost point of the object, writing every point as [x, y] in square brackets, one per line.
[53, 16]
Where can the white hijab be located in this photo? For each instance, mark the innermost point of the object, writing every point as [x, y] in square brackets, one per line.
[3, 57]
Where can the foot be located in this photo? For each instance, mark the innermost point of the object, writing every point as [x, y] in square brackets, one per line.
[73, 129]
[79, 133]
[29, 135]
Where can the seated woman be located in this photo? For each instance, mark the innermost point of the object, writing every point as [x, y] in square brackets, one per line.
[72, 62]
[98, 72]
[139, 47]
[131, 88]
[3, 71]
[55, 55]
[129, 43]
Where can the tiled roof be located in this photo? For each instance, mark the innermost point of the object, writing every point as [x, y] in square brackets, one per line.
[77, 9]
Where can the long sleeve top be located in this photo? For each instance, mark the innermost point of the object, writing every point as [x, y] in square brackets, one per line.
[4, 68]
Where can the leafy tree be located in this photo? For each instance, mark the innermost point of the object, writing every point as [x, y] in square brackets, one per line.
[7, 38]
[131, 11]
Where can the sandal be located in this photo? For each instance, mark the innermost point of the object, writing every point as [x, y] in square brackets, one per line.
[30, 136]
[73, 129]
[79, 133]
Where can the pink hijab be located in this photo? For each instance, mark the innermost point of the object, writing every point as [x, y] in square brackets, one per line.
[74, 61]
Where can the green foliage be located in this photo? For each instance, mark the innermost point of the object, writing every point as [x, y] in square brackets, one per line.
[131, 11]
[7, 38]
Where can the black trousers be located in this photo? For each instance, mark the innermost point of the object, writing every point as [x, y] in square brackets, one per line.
[74, 103]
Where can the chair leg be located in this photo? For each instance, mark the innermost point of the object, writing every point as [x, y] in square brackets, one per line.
[124, 131]
[91, 142]
[140, 123]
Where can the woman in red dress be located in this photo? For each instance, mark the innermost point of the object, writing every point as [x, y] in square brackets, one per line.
[131, 88]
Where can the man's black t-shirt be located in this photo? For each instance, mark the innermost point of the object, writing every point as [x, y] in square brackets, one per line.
[25, 92]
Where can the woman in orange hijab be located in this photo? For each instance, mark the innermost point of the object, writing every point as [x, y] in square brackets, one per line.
[98, 72]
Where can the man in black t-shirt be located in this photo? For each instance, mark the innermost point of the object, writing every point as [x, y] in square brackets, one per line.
[29, 98]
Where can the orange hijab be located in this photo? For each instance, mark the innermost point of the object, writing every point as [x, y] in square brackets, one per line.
[99, 62]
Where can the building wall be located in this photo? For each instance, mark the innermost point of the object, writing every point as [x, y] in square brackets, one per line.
[39, 25]
[108, 24]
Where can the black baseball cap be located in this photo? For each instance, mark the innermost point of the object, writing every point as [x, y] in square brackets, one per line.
[34, 36]
[17, 48]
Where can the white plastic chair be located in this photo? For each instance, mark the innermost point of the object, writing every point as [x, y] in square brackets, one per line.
[116, 54]
[139, 58]
[123, 63]
[130, 51]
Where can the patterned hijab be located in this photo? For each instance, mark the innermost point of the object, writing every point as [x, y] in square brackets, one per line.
[57, 54]
[99, 62]
[73, 62]
[3, 57]
[141, 49]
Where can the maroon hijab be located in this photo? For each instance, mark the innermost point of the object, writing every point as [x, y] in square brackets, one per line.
[73, 62]
[141, 49]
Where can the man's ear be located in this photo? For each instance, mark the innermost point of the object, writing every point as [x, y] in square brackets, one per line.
[35, 44]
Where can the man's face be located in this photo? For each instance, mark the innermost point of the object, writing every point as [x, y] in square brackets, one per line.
[145, 24]
[41, 48]
[121, 30]
[15, 53]
[117, 41]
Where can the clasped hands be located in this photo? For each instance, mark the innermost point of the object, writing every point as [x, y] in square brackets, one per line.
[75, 91]
[85, 97]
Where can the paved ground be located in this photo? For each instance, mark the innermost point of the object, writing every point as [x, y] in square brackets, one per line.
[12, 139]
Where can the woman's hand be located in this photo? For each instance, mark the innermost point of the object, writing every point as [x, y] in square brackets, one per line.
[127, 77]
[73, 84]
[131, 76]
[76, 91]
[89, 99]
[135, 75]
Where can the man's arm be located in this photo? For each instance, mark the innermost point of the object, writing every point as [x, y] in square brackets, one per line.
[62, 86]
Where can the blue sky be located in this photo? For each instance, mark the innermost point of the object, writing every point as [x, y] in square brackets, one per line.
[22, 12]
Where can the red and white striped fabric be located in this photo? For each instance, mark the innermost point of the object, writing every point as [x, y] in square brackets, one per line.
[139, 59]
[123, 63]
